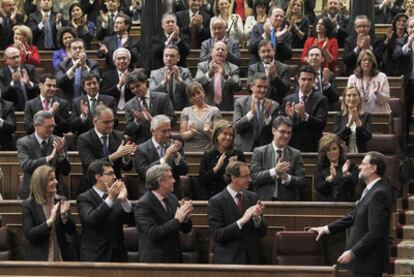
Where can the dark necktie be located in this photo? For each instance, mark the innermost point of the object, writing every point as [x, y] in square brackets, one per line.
[239, 197]
[144, 102]
[279, 179]
[111, 23]
[104, 196]
[167, 205]
[78, 77]
[48, 34]
[171, 90]
[93, 105]
[304, 99]
[105, 149]
[44, 148]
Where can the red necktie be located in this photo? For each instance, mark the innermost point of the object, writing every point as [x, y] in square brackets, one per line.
[239, 197]
[46, 107]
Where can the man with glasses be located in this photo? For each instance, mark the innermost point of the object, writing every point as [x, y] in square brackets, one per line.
[359, 40]
[277, 169]
[42, 147]
[104, 143]
[161, 149]
[103, 211]
[235, 217]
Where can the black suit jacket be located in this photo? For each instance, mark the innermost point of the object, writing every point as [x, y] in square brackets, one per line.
[39, 35]
[77, 125]
[329, 91]
[363, 133]
[157, 49]
[159, 240]
[232, 244]
[110, 80]
[15, 93]
[183, 22]
[102, 238]
[317, 108]
[90, 149]
[368, 237]
[37, 232]
[92, 10]
[6, 31]
[147, 156]
[9, 125]
[61, 117]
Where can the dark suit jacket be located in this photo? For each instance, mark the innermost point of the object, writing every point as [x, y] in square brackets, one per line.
[363, 133]
[386, 14]
[329, 92]
[9, 125]
[110, 80]
[39, 35]
[233, 51]
[102, 237]
[157, 49]
[263, 183]
[283, 50]
[183, 22]
[68, 85]
[6, 31]
[158, 230]
[90, 149]
[159, 103]
[61, 117]
[405, 60]
[342, 33]
[369, 225]
[30, 157]
[37, 232]
[232, 244]
[78, 126]
[147, 156]
[111, 43]
[317, 108]
[279, 87]
[15, 93]
[92, 10]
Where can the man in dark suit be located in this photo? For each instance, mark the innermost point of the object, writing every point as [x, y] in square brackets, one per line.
[140, 110]
[308, 111]
[325, 83]
[277, 31]
[8, 19]
[92, 8]
[113, 80]
[253, 115]
[194, 22]
[359, 40]
[171, 78]
[160, 218]
[47, 101]
[42, 147]
[367, 250]
[219, 78]
[18, 82]
[121, 38]
[103, 211]
[104, 143]
[277, 169]
[160, 149]
[171, 35]
[45, 24]
[218, 28]
[385, 10]
[341, 21]
[81, 118]
[71, 72]
[277, 72]
[235, 219]
[106, 20]
[7, 125]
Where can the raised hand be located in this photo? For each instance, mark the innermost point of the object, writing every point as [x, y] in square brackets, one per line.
[220, 163]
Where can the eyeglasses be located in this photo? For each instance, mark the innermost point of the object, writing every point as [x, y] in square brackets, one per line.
[52, 126]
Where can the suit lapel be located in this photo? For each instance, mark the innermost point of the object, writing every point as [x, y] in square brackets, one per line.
[36, 145]
[112, 143]
[39, 211]
[165, 215]
[96, 142]
[232, 204]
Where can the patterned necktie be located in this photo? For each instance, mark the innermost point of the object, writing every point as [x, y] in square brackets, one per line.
[217, 88]
[46, 104]
[78, 77]
[273, 38]
[239, 197]
[121, 102]
[48, 35]
[105, 149]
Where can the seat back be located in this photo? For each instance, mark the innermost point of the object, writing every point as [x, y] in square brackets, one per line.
[5, 244]
[189, 247]
[131, 243]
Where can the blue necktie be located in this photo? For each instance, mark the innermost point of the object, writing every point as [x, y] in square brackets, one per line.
[105, 149]
[273, 38]
[119, 41]
[48, 35]
[78, 77]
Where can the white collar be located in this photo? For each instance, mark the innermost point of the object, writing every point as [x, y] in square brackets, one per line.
[39, 139]
[96, 97]
[277, 148]
[372, 183]
[156, 144]
[98, 191]
[232, 192]
[100, 135]
[300, 94]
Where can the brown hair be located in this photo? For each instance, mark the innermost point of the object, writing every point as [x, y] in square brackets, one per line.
[220, 126]
[324, 144]
[371, 56]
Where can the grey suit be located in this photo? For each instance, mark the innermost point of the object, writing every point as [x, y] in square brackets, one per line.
[179, 96]
[278, 87]
[253, 132]
[229, 85]
[233, 51]
[30, 157]
[263, 160]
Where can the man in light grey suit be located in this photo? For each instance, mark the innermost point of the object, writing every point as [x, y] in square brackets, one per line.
[277, 72]
[277, 169]
[218, 27]
[146, 104]
[42, 147]
[253, 115]
[171, 78]
[219, 78]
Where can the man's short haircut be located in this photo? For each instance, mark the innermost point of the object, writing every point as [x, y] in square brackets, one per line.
[257, 76]
[157, 120]
[97, 167]
[89, 76]
[45, 76]
[308, 69]
[172, 46]
[138, 75]
[282, 120]
[273, 7]
[379, 160]
[233, 170]
[126, 18]
[362, 17]
[154, 175]
[265, 42]
[100, 109]
[314, 47]
[168, 14]
[76, 40]
[40, 116]
[120, 50]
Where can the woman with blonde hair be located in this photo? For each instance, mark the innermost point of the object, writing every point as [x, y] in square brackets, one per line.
[214, 161]
[221, 9]
[298, 22]
[46, 219]
[352, 124]
[335, 177]
[22, 40]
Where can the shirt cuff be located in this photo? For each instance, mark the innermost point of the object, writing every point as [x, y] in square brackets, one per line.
[162, 160]
[326, 230]
[306, 117]
[268, 120]
[287, 181]
[249, 115]
[109, 202]
[239, 225]
[406, 49]
[356, 50]
[126, 206]
[208, 77]
[40, 25]
[272, 172]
